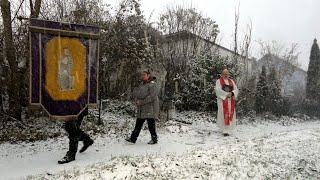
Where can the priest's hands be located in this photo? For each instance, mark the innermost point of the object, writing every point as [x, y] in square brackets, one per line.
[138, 102]
[229, 94]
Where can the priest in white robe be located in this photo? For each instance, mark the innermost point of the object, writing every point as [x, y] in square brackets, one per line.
[227, 93]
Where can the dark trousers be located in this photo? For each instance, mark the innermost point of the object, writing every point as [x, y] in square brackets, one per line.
[75, 134]
[138, 127]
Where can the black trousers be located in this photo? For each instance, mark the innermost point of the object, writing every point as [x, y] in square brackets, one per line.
[75, 134]
[138, 127]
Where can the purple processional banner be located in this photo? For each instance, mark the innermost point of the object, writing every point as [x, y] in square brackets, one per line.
[63, 66]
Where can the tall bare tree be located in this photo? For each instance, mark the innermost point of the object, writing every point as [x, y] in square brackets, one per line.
[2, 73]
[189, 39]
[35, 8]
[13, 78]
[242, 72]
[287, 58]
[186, 29]
[235, 38]
[241, 49]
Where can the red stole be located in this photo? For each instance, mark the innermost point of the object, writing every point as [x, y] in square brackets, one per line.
[228, 117]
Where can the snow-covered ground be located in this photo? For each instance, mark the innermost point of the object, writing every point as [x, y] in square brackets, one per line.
[269, 150]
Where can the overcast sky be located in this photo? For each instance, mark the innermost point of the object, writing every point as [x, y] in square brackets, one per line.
[286, 21]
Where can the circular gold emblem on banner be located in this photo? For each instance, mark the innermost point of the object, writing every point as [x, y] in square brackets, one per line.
[65, 68]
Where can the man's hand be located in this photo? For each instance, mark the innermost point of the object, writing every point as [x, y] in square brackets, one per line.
[229, 94]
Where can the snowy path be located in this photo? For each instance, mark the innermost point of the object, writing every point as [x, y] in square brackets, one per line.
[20, 161]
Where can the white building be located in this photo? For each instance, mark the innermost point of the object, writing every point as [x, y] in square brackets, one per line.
[186, 44]
[293, 79]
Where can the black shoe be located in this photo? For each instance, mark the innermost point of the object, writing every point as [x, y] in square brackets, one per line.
[130, 140]
[66, 159]
[153, 142]
[86, 144]
[225, 134]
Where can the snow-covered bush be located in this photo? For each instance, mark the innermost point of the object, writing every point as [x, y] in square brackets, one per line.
[311, 107]
[117, 106]
[197, 85]
[34, 129]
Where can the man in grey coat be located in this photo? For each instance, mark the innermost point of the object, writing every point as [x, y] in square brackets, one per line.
[147, 101]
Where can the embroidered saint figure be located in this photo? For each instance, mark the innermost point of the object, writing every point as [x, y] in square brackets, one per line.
[65, 78]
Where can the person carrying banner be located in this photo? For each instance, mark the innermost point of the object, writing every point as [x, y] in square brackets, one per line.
[75, 134]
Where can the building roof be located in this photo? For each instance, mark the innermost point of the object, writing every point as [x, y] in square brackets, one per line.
[186, 34]
[275, 59]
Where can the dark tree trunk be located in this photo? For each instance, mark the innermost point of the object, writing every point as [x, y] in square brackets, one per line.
[2, 65]
[35, 10]
[13, 80]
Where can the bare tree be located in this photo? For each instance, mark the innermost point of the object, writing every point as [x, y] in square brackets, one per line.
[178, 18]
[241, 71]
[16, 33]
[2, 73]
[246, 45]
[10, 56]
[35, 9]
[185, 31]
[189, 44]
[284, 58]
[236, 24]
[93, 12]
[241, 49]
